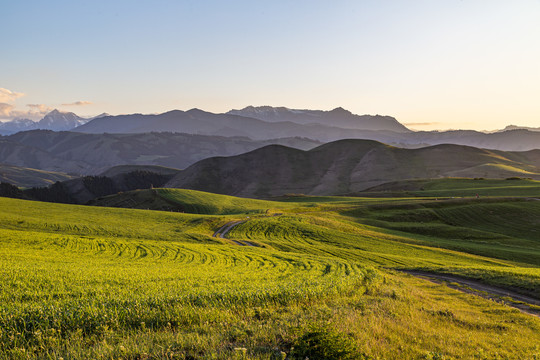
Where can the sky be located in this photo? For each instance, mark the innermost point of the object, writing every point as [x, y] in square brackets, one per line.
[444, 64]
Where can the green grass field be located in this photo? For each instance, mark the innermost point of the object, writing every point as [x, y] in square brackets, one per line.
[459, 187]
[81, 282]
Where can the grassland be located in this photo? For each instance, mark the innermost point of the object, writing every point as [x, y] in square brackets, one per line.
[83, 282]
[458, 187]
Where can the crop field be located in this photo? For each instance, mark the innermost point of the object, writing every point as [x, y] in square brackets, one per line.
[300, 277]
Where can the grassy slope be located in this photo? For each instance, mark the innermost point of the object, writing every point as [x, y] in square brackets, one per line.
[101, 282]
[26, 177]
[458, 187]
[189, 201]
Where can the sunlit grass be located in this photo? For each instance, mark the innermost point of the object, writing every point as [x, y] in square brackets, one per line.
[83, 282]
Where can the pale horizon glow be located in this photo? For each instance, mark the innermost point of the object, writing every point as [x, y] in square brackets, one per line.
[430, 64]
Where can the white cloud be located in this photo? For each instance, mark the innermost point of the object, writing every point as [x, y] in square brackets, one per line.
[9, 96]
[35, 112]
[78, 103]
[5, 109]
[39, 109]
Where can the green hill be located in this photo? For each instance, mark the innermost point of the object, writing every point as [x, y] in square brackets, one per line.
[457, 187]
[189, 201]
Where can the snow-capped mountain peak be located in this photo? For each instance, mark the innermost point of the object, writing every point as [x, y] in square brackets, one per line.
[61, 121]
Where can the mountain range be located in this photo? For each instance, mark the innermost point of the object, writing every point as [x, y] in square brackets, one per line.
[266, 123]
[318, 125]
[338, 117]
[197, 121]
[97, 144]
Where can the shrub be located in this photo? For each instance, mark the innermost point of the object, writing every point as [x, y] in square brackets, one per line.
[325, 344]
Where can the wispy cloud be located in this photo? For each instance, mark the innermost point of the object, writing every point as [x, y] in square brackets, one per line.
[35, 111]
[39, 108]
[5, 109]
[7, 96]
[78, 103]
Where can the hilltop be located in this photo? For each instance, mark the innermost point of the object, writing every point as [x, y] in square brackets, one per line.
[347, 166]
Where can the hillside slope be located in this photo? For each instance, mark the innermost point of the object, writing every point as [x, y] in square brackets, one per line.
[346, 166]
[26, 177]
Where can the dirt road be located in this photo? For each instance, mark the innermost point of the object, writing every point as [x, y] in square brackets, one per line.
[507, 296]
[222, 231]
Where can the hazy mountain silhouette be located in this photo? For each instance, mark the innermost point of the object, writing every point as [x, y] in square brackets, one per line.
[516, 127]
[338, 117]
[303, 123]
[196, 121]
[55, 120]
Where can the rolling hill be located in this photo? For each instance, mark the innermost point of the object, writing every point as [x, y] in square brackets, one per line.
[187, 201]
[91, 154]
[337, 168]
[27, 177]
[347, 166]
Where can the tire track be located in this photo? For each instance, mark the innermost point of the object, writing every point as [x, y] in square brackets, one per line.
[521, 302]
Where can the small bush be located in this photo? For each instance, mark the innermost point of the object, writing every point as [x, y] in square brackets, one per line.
[325, 344]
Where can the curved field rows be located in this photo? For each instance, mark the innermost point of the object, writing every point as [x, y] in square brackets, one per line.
[180, 272]
[343, 240]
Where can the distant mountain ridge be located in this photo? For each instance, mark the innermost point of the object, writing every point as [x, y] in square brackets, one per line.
[311, 124]
[337, 117]
[516, 127]
[264, 123]
[196, 121]
[55, 120]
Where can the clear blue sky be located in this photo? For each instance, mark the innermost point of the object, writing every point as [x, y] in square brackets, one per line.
[438, 64]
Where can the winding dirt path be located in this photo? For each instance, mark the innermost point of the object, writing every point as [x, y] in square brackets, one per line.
[222, 231]
[507, 296]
